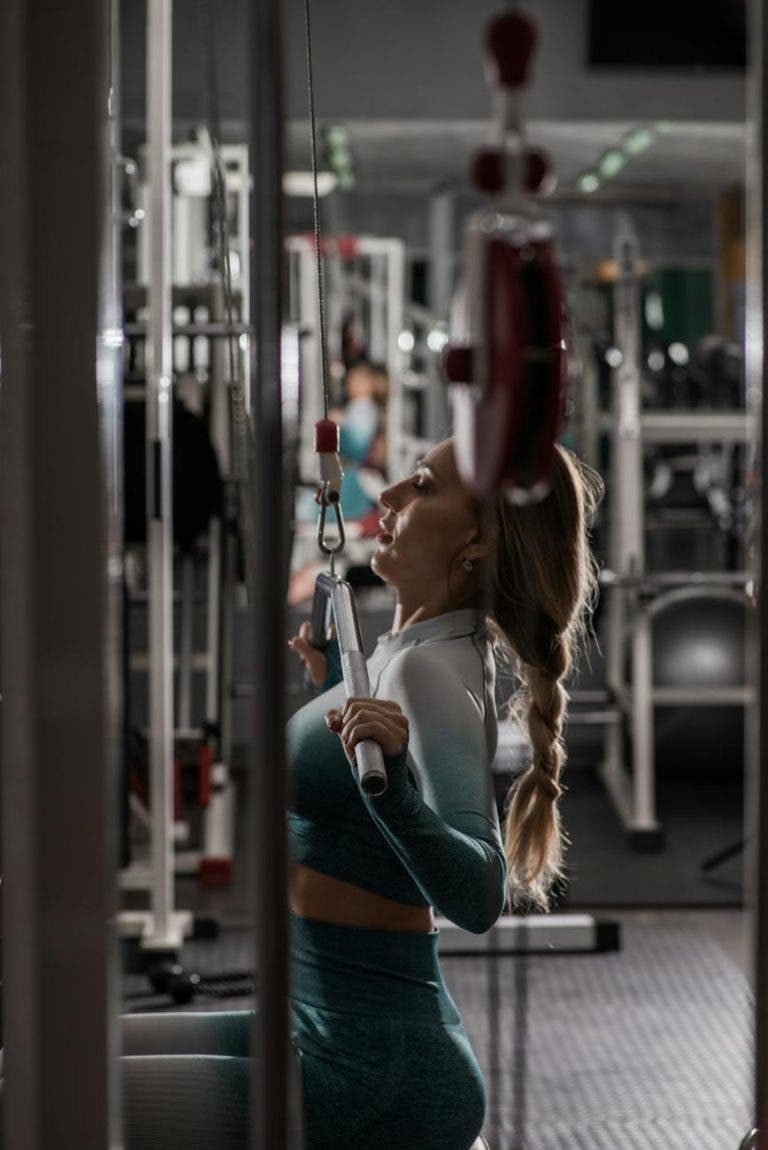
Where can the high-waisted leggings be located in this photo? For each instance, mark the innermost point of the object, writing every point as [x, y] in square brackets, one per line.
[385, 1061]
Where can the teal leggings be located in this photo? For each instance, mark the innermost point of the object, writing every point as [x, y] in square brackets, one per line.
[385, 1061]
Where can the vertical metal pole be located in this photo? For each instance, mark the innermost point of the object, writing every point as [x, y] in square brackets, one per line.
[643, 775]
[187, 642]
[756, 857]
[267, 587]
[628, 526]
[159, 507]
[441, 259]
[58, 670]
[243, 236]
[395, 319]
[377, 336]
[311, 356]
[110, 380]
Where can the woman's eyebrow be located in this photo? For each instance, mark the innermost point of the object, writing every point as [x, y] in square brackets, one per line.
[422, 466]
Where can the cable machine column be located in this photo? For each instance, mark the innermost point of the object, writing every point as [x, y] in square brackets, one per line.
[58, 571]
[266, 563]
[756, 830]
[159, 508]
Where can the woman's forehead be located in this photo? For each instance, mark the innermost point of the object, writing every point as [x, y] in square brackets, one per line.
[441, 460]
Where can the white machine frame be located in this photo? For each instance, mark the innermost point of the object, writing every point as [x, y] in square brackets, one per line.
[635, 598]
[171, 239]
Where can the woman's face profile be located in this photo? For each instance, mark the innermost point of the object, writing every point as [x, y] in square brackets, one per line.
[427, 519]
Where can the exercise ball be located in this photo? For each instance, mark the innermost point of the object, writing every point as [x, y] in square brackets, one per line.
[700, 642]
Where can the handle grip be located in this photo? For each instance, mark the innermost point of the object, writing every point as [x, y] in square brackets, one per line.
[369, 764]
[369, 760]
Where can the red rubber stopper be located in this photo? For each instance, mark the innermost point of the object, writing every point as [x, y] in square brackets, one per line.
[488, 171]
[510, 41]
[347, 247]
[538, 173]
[458, 364]
[326, 437]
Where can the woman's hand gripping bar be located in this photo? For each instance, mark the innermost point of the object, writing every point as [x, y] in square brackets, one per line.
[336, 594]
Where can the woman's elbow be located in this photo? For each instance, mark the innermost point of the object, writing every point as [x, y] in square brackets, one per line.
[490, 906]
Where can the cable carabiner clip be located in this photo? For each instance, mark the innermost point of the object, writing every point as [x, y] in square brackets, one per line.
[329, 491]
[329, 503]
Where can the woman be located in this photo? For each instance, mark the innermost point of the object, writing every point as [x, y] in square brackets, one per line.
[385, 1059]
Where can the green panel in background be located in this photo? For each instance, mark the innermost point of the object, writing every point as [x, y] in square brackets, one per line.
[687, 310]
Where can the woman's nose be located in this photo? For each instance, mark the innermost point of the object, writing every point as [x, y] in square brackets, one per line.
[391, 497]
[385, 498]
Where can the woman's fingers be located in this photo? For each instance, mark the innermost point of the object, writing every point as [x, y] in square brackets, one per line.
[386, 706]
[388, 729]
[315, 661]
[391, 739]
[372, 715]
[334, 721]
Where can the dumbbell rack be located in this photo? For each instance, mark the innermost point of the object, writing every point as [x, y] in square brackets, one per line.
[635, 597]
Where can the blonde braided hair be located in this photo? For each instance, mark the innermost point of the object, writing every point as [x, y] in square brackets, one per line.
[541, 587]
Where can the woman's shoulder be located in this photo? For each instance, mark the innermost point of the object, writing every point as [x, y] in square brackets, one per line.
[449, 664]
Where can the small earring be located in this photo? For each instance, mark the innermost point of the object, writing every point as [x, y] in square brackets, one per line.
[467, 564]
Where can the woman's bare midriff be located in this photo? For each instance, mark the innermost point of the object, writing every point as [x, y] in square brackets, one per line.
[312, 894]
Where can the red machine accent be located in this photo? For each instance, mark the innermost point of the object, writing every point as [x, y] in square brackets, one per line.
[345, 247]
[488, 173]
[458, 364]
[510, 42]
[326, 437]
[215, 872]
[508, 364]
[538, 173]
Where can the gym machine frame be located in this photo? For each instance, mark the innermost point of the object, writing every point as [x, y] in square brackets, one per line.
[756, 829]
[383, 290]
[634, 597]
[213, 861]
[162, 929]
[61, 570]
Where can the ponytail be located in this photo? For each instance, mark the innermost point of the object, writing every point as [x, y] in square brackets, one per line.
[542, 586]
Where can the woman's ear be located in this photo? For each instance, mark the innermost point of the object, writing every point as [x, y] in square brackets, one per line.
[476, 551]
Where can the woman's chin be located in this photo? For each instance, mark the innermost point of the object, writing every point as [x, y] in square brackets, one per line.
[382, 565]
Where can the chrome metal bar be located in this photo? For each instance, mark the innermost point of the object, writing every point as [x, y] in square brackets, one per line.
[159, 432]
[702, 696]
[756, 808]
[214, 330]
[369, 761]
[186, 648]
[267, 566]
[594, 718]
[696, 427]
[395, 285]
[60, 573]
[644, 764]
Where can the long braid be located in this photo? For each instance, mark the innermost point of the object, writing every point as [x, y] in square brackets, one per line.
[534, 839]
[542, 584]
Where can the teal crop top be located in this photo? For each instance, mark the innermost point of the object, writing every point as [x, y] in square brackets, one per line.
[432, 839]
